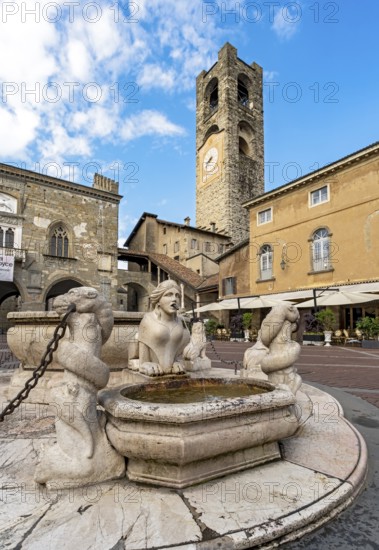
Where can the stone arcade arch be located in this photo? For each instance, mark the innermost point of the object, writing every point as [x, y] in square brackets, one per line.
[59, 287]
[137, 297]
[10, 297]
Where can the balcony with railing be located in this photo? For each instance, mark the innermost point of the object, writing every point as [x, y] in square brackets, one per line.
[18, 253]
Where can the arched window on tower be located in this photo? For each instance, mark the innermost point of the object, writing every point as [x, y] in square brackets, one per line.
[245, 139]
[243, 147]
[212, 94]
[266, 262]
[320, 250]
[59, 242]
[243, 91]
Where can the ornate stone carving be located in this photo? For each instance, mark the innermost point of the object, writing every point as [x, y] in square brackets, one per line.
[162, 335]
[82, 453]
[14, 220]
[274, 353]
[7, 203]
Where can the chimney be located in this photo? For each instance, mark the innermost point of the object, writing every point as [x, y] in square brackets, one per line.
[213, 226]
[187, 220]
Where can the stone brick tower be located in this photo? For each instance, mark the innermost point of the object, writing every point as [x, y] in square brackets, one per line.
[229, 143]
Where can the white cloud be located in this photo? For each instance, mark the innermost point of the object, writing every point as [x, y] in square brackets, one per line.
[61, 144]
[27, 47]
[165, 50]
[17, 130]
[96, 121]
[286, 20]
[153, 76]
[149, 123]
[78, 61]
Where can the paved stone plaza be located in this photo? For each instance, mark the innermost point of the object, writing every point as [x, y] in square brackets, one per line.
[348, 374]
[351, 375]
[351, 369]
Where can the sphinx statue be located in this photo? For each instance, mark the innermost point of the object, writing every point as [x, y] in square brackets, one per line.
[274, 354]
[162, 334]
[82, 453]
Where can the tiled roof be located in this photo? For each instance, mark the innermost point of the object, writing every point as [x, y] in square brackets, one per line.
[175, 224]
[210, 281]
[173, 267]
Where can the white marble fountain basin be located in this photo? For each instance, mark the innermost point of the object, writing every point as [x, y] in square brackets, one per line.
[178, 445]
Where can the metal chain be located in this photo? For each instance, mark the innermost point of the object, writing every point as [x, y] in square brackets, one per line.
[39, 371]
[235, 363]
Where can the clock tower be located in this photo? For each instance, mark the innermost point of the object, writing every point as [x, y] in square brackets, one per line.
[229, 143]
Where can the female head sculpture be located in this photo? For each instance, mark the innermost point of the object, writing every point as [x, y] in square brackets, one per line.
[165, 299]
[162, 335]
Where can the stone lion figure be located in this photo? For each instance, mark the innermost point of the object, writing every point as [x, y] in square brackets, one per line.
[198, 343]
[162, 334]
[82, 453]
[275, 352]
[194, 353]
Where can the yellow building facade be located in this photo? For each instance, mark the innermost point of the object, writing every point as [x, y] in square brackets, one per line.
[318, 231]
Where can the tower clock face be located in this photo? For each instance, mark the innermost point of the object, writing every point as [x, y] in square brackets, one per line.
[210, 163]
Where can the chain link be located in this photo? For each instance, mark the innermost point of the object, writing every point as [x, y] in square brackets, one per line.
[38, 372]
[235, 363]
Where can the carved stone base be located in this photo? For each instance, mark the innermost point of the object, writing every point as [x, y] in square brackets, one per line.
[184, 475]
[198, 364]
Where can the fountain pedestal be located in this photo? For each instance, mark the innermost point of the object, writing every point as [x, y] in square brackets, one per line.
[182, 444]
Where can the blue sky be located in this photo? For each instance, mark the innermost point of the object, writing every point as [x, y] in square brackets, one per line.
[114, 89]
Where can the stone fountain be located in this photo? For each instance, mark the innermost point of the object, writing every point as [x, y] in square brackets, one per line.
[176, 433]
[239, 461]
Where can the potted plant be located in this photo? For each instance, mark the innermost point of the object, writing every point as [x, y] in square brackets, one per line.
[246, 323]
[313, 334]
[327, 320]
[236, 328]
[211, 328]
[369, 326]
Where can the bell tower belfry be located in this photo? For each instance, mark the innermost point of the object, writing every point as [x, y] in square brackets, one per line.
[229, 143]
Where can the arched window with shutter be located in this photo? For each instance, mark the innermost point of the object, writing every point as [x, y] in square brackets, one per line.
[320, 250]
[266, 262]
[9, 238]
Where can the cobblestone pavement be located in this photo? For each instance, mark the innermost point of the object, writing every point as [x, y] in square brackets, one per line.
[351, 369]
